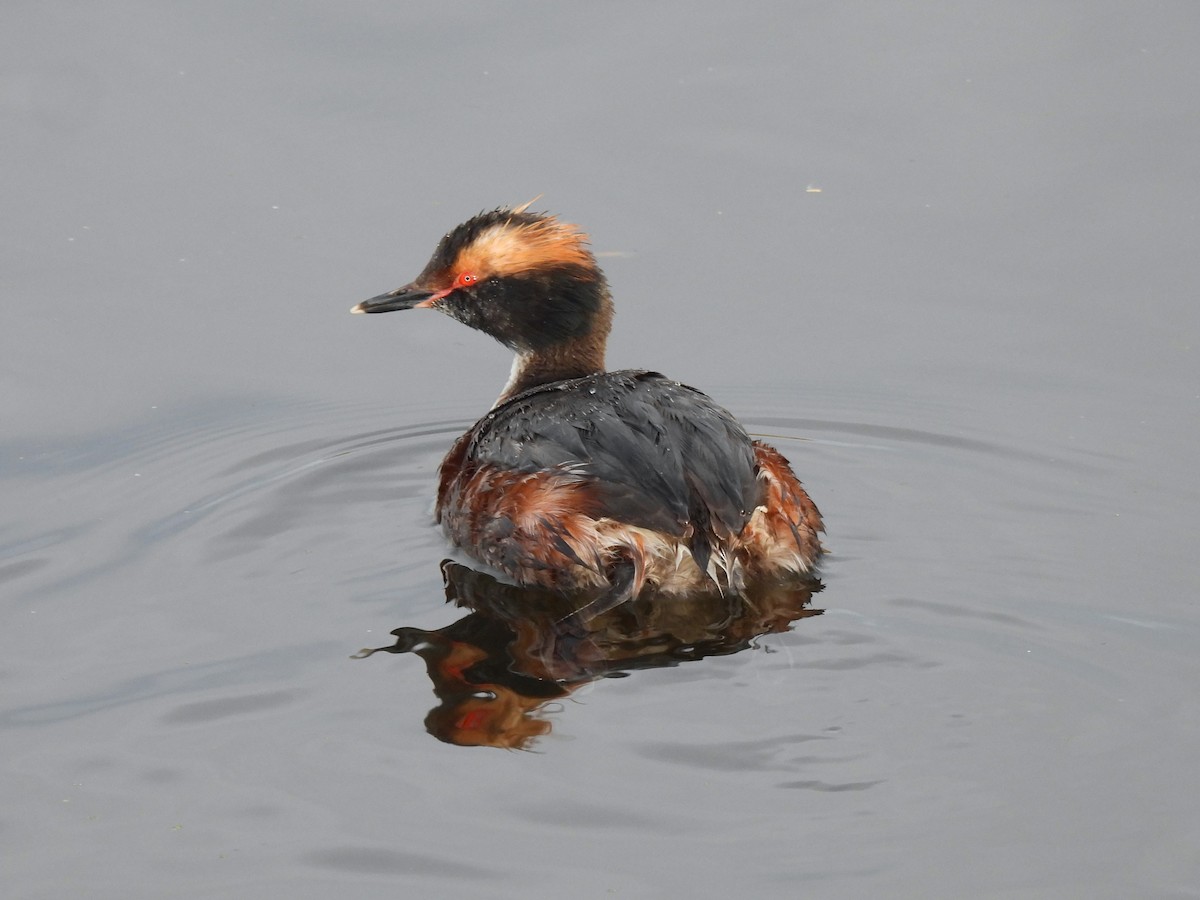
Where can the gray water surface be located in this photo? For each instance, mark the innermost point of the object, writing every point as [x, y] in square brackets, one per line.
[943, 256]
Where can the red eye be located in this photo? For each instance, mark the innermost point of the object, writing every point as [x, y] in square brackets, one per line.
[464, 279]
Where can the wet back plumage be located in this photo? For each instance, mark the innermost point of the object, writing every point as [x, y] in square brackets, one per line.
[652, 453]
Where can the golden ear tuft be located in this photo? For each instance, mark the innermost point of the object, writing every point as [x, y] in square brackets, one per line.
[524, 206]
[517, 247]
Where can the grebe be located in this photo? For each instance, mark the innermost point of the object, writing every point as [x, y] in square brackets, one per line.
[583, 479]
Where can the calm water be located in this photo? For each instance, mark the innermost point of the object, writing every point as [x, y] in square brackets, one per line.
[943, 258]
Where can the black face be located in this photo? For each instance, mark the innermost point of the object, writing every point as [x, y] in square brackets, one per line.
[533, 311]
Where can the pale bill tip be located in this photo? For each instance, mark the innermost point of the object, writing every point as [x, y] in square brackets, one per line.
[357, 308]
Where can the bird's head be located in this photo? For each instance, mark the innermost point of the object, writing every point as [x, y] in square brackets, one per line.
[527, 279]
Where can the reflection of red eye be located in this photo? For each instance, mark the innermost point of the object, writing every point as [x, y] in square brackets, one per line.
[464, 279]
[473, 720]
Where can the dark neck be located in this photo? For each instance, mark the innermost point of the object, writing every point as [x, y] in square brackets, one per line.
[572, 358]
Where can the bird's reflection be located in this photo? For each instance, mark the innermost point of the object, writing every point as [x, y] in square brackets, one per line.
[496, 669]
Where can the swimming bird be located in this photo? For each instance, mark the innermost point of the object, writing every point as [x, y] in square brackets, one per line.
[581, 479]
